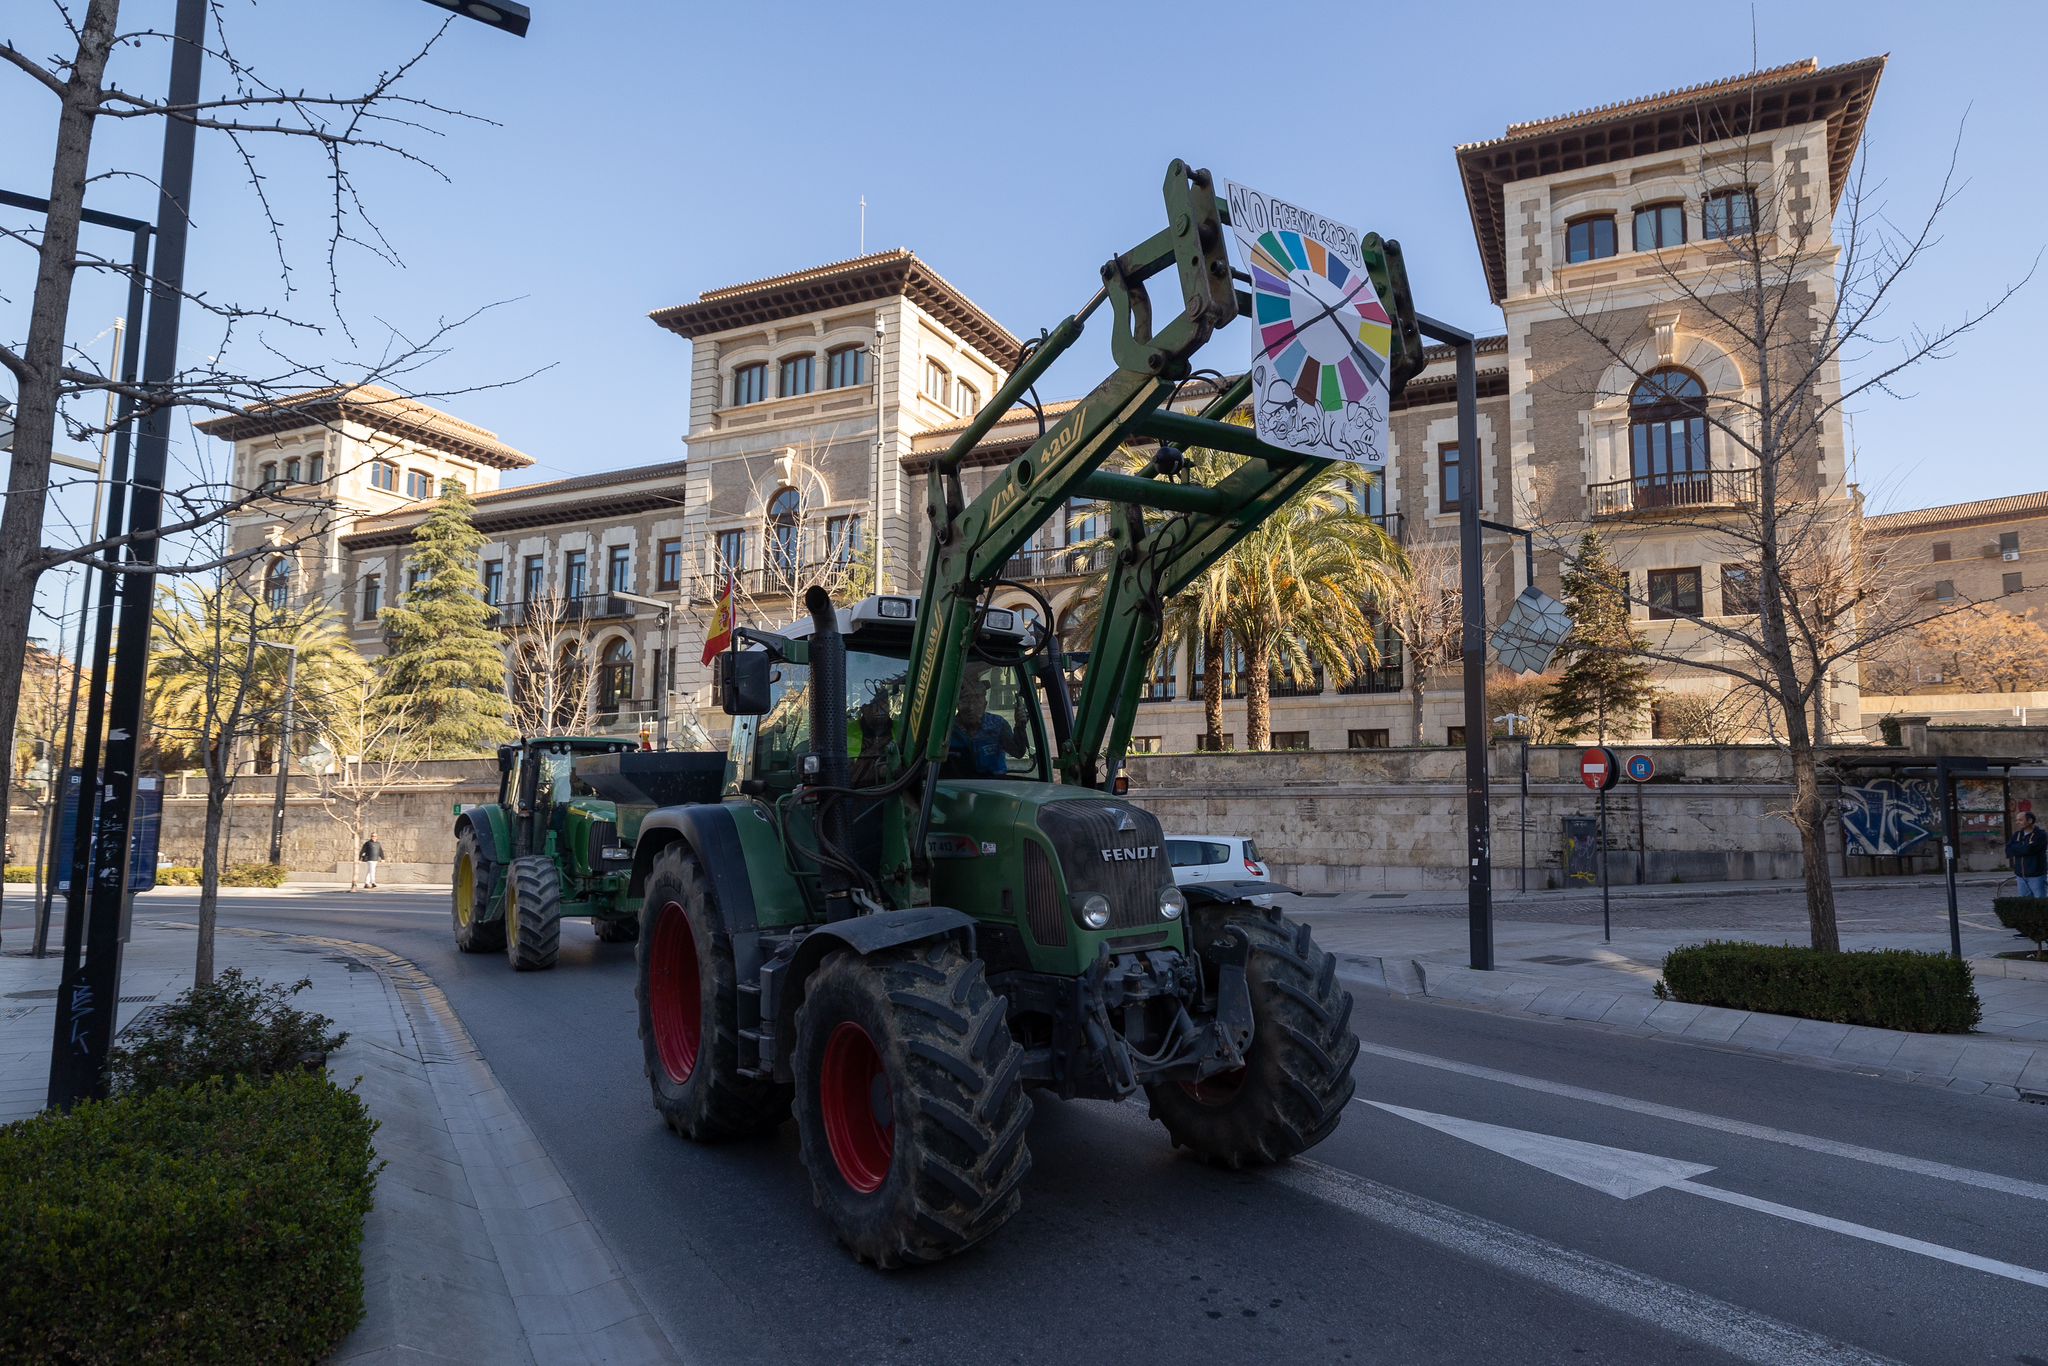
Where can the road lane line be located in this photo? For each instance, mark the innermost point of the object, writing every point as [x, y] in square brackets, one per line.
[1876, 1157]
[1741, 1333]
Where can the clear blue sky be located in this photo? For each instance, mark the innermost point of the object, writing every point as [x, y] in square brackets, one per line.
[648, 151]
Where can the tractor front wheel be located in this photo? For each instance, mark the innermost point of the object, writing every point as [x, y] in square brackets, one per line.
[688, 991]
[1296, 1080]
[910, 1103]
[533, 914]
[476, 885]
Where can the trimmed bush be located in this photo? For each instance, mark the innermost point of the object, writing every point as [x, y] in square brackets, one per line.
[2026, 914]
[236, 1026]
[20, 872]
[1929, 993]
[211, 1223]
[253, 875]
[177, 877]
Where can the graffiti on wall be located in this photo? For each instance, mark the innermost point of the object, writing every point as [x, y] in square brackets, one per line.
[1888, 816]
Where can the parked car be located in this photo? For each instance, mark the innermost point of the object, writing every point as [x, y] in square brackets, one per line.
[1215, 858]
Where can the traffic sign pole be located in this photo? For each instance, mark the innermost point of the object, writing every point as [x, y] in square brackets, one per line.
[1600, 770]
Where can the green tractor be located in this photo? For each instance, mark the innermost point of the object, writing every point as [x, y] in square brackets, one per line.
[921, 896]
[551, 846]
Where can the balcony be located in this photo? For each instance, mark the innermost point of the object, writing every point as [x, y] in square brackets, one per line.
[1389, 522]
[1697, 490]
[562, 611]
[1056, 562]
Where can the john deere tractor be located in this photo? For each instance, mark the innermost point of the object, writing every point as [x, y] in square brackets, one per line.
[921, 896]
[551, 846]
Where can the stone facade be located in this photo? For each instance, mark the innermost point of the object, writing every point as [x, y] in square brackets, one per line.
[1993, 551]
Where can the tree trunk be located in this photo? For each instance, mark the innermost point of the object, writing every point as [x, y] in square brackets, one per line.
[35, 418]
[1809, 817]
[209, 872]
[1212, 687]
[1415, 703]
[1258, 695]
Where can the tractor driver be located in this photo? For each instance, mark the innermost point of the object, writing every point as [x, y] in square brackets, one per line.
[978, 741]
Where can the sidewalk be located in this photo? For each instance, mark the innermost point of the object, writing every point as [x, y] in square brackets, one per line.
[1567, 972]
[476, 1250]
[1577, 897]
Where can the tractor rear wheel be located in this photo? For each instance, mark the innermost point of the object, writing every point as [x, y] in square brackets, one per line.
[688, 992]
[624, 931]
[533, 914]
[1296, 1080]
[476, 885]
[910, 1104]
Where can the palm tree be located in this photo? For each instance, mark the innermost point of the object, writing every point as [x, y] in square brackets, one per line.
[217, 680]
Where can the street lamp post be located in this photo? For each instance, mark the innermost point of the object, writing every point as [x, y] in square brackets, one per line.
[667, 610]
[284, 746]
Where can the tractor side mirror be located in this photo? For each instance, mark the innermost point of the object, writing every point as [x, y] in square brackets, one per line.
[507, 756]
[741, 679]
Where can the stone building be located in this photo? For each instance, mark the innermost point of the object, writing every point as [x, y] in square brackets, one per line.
[1993, 551]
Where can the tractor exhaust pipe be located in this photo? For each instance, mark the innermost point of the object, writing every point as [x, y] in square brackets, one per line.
[828, 747]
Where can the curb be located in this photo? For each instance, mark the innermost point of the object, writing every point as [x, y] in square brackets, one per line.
[2001, 1068]
[476, 1248]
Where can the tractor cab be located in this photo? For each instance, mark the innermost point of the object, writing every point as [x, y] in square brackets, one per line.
[536, 782]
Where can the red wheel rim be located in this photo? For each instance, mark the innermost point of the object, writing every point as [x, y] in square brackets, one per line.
[858, 1108]
[675, 995]
[1219, 1089]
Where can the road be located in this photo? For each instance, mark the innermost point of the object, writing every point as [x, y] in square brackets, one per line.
[1762, 1210]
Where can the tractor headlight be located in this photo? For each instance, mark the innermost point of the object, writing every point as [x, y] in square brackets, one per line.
[1094, 911]
[1172, 903]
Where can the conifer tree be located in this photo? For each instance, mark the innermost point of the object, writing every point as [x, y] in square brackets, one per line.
[1605, 685]
[445, 664]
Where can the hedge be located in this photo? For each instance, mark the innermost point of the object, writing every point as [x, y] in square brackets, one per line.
[212, 1223]
[1928, 993]
[238, 875]
[20, 872]
[234, 1026]
[2026, 914]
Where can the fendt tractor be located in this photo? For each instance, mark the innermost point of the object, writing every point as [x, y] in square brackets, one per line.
[920, 895]
[551, 847]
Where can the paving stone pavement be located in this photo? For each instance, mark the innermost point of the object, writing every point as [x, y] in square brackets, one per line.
[1565, 970]
[476, 1250]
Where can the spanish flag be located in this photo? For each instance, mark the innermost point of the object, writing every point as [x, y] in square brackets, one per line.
[720, 635]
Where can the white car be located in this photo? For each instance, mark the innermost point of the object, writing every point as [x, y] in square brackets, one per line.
[1215, 858]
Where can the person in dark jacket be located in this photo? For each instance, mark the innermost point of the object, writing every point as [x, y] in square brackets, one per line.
[371, 855]
[2028, 850]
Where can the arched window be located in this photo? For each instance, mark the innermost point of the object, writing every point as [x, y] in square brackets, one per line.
[785, 519]
[615, 675]
[277, 585]
[1667, 432]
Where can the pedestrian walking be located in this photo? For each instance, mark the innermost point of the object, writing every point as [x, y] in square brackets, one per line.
[2028, 850]
[372, 854]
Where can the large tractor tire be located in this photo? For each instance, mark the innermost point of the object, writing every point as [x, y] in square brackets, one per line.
[1296, 1079]
[910, 1104]
[476, 884]
[624, 931]
[688, 992]
[533, 914]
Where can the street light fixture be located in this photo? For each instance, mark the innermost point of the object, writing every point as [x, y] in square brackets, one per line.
[497, 13]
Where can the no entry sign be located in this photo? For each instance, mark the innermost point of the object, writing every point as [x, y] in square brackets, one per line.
[1640, 768]
[1599, 769]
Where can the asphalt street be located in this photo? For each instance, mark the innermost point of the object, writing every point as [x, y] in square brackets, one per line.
[1757, 1209]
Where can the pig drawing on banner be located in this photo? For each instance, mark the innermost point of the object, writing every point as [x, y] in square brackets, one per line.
[1321, 334]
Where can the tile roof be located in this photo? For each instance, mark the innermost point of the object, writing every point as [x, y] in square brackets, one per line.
[1984, 509]
[377, 407]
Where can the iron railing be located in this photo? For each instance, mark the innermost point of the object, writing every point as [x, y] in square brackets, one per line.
[1666, 492]
[563, 611]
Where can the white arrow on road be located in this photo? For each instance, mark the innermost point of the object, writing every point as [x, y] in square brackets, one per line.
[1625, 1174]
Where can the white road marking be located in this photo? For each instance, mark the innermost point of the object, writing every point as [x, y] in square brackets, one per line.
[1625, 1174]
[1714, 1323]
[1920, 1166]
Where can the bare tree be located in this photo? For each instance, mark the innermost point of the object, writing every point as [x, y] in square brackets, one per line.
[378, 747]
[1797, 303]
[553, 679]
[1981, 650]
[1425, 615]
[61, 389]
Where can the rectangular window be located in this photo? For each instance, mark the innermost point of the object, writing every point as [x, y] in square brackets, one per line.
[1659, 225]
[1369, 739]
[316, 469]
[1589, 239]
[266, 475]
[619, 570]
[1086, 521]
[1454, 735]
[732, 552]
[418, 484]
[1674, 593]
[291, 470]
[373, 596]
[1202, 744]
[1143, 744]
[383, 475]
[1944, 590]
[1288, 739]
[1942, 551]
[2008, 543]
[846, 367]
[536, 578]
[671, 575]
[414, 577]
[966, 398]
[938, 384]
[1728, 213]
[494, 582]
[575, 573]
[750, 384]
[798, 376]
[2013, 584]
[842, 538]
[1738, 590]
[1447, 484]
